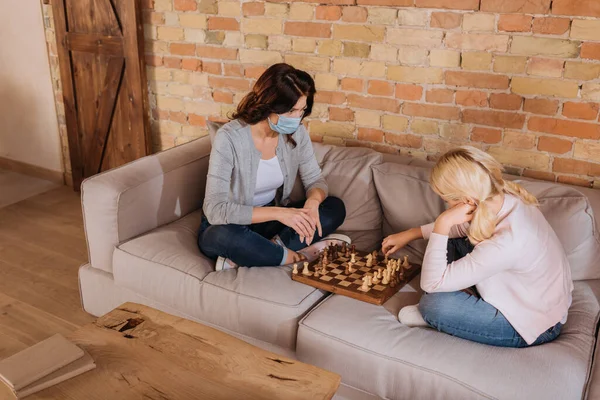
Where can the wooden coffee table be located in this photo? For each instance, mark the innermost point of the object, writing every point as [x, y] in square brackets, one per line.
[144, 353]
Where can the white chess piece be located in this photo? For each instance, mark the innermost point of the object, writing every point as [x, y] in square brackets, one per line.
[295, 271]
[305, 271]
[375, 279]
[369, 260]
[365, 285]
[369, 280]
[405, 263]
[379, 273]
[351, 267]
[386, 277]
[353, 258]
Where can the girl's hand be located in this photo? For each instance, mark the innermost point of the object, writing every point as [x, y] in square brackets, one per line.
[299, 220]
[395, 242]
[457, 215]
[312, 208]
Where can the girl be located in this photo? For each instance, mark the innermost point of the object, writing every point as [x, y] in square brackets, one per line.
[253, 166]
[510, 253]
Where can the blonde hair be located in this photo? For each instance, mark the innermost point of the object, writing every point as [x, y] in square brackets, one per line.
[469, 175]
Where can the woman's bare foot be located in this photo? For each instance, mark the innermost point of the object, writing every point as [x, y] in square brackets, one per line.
[293, 257]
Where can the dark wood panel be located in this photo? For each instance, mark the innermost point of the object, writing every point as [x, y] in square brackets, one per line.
[93, 16]
[110, 45]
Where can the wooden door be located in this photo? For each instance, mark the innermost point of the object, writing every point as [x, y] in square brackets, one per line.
[100, 51]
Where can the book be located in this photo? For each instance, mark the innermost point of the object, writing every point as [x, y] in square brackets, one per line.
[78, 367]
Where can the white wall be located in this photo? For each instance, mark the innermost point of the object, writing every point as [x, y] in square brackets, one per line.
[28, 123]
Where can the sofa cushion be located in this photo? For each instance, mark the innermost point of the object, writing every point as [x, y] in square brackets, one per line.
[407, 201]
[166, 266]
[374, 352]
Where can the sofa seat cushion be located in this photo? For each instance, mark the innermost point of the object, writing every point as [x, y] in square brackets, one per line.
[165, 265]
[372, 351]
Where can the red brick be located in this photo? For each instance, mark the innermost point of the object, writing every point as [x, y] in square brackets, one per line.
[439, 96]
[233, 70]
[154, 18]
[229, 83]
[584, 130]
[373, 103]
[185, 5]
[155, 61]
[352, 84]
[219, 53]
[308, 29]
[341, 114]
[408, 92]
[172, 62]
[182, 49]
[516, 6]
[554, 145]
[254, 72]
[160, 114]
[514, 23]
[178, 117]
[330, 97]
[590, 51]
[569, 166]
[393, 3]
[354, 14]
[572, 180]
[384, 148]
[380, 88]
[253, 9]
[486, 135]
[476, 80]
[551, 26]
[431, 111]
[541, 106]
[222, 97]
[589, 8]
[329, 13]
[542, 175]
[370, 135]
[580, 110]
[471, 98]
[453, 4]
[191, 64]
[223, 24]
[494, 118]
[445, 20]
[211, 67]
[404, 140]
[197, 120]
[505, 101]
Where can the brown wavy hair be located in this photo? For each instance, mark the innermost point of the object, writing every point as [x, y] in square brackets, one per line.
[276, 91]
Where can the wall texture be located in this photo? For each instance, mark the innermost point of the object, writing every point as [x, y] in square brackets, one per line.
[519, 78]
[28, 125]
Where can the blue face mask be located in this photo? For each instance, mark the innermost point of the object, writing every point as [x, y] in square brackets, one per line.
[285, 125]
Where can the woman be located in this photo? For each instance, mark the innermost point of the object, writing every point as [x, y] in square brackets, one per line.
[253, 166]
[502, 244]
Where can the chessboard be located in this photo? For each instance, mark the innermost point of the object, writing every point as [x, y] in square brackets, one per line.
[336, 273]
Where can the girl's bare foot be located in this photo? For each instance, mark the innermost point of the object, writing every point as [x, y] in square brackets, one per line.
[293, 257]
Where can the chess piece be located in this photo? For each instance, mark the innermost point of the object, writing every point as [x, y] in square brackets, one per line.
[369, 260]
[353, 249]
[365, 285]
[347, 271]
[295, 271]
[353, 258]
[386, 277]
[405, 263]
[385, 259]
[375, 255]
[375, 280]
[305, 271]
[379, 274]
[370, 280]
[351, 267]
[316, 272]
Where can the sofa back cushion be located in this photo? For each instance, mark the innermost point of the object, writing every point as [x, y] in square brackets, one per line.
[407, 201]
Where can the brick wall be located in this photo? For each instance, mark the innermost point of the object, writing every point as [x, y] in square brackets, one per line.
[518, 78]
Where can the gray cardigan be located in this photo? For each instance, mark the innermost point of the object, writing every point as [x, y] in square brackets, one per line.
[233, 164]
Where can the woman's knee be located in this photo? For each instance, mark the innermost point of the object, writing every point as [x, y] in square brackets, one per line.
[215, 240]
[435, 307]
[333, 211]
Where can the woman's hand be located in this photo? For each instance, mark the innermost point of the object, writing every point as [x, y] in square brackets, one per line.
[395, 242]
[299, 220]
[312, 207]
[457, 215]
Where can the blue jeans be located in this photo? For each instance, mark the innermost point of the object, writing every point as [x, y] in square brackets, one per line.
[251, 245]
[469, 317]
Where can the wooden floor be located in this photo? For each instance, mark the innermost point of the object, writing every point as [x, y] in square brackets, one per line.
[41, 247]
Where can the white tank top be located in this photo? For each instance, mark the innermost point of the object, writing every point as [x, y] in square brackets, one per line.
[268, 179]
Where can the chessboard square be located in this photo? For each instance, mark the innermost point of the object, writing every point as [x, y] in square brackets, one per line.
[359, 282]
[345, 283]
[336, 271]
[361, 263]
[355, 276]
[326, 278]
[379, 287]
[341, 277]
[343, 259]
[365, 269]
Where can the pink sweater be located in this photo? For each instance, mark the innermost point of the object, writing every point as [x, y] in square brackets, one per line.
[522, 270]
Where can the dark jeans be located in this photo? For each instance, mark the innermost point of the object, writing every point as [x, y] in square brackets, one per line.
[251, 245]
[467, 316]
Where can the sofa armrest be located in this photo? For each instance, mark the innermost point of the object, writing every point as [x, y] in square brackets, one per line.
[135, 198]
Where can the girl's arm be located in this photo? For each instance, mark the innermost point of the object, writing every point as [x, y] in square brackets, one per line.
[456, 231]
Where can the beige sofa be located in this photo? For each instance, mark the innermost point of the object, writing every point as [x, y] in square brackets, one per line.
[141, 222]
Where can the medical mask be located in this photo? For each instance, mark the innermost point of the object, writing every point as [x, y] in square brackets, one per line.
[285, 125]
